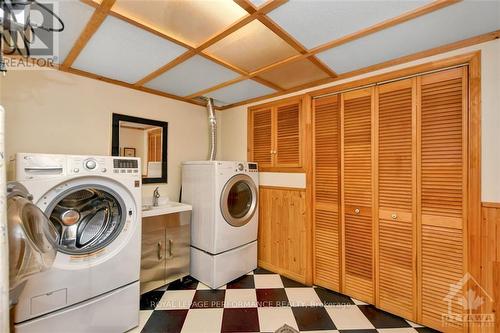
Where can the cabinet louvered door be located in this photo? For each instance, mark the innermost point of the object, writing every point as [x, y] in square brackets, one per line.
[442, 191]
[396, 283]
[288, 138]
[262, 137]
[326, 174]
[357, 194]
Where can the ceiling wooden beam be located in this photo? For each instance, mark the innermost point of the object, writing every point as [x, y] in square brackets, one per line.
[386, 64]
[94, 23]
[283, 34]
[212, 40]
[436, 5]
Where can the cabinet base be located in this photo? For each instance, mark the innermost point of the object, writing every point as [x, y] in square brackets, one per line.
[217, 270]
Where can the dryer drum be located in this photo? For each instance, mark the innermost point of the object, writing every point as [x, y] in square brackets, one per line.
[96, 220]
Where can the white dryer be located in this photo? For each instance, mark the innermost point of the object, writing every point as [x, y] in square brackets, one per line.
[94, 204]
[224, 196]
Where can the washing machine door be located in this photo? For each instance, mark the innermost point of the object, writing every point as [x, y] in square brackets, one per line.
[87, 218]
[239, 200]
[32, 239]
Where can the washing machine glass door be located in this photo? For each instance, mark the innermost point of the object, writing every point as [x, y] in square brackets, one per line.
[239, 200]
[87, 218]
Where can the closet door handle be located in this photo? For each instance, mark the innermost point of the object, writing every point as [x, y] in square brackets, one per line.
[357, 211]
[394, 216]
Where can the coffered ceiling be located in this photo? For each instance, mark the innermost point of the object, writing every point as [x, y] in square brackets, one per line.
[241, 50]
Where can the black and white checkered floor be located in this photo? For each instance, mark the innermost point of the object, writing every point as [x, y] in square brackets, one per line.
[261, 302]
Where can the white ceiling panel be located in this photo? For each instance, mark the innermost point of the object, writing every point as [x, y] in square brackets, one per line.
[450, 24]
[121, 51]
[75, 16]
[240, 91]
[317, 22]
[258, 3]
[193, 75]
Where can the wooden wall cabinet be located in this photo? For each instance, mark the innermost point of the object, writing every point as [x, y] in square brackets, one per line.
[276, 135]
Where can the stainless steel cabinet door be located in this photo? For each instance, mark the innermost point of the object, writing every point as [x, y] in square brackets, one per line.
[153, 258]
[177, 245]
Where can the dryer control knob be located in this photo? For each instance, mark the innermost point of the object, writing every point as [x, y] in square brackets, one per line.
[241, 167]
[90, 164]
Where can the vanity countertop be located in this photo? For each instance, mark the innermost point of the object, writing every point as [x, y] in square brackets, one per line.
[169, 207]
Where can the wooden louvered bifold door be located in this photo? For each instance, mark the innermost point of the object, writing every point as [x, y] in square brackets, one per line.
[326, 129]
[262, 137]
[442, 189]
[288, 135]
[356, 114]
[396, 283]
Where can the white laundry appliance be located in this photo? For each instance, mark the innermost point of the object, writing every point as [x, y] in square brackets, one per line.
[94, 204]
[224, 196]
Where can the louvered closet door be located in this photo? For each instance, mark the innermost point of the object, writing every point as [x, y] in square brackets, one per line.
[396, 197]
[357, 194]
[326, 114]
[443, 194]
[262, 138]
[288, 135]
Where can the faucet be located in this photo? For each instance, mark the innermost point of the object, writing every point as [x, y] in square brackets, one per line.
[156, 195]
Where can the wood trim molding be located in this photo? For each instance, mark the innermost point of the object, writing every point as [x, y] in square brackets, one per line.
[491, 204]
[94, 23]
[282, 188]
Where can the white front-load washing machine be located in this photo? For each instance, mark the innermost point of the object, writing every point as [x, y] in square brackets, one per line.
[94, 204]
[224, 196]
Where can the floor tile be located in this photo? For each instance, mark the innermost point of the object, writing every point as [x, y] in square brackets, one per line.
[240, 320]
[425, 330]
[313, 318]
[203, 320]
[397, 330]
[208, 299]
[259, 270]
[272, 297]
[202, 286]
[244, 282]
[349, 317]
[358, 331]
[266, 281]
[332, 298]
[187, 283]
[299, 297]
[270, 319]
[149, 300]
[164, 321]
[382, 319]
[412, 324]
[323, 331]
[176, 299]
[358, 302]
[289, 283]
[240, 298]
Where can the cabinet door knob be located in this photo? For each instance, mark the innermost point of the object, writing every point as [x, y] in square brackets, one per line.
[357, 211]
[170, 243]
[160, 256]
[394, 216]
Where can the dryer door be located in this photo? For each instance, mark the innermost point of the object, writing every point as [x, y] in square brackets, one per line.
[239, 200]
[87, 218]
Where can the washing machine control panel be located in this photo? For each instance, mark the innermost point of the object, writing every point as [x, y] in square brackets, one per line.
[125, 165]
[252, 167]
[245, 167]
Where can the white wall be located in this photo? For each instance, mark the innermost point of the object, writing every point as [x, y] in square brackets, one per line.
[56, 112]
[234, 129]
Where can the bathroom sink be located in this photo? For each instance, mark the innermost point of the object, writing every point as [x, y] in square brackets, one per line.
[168, 207]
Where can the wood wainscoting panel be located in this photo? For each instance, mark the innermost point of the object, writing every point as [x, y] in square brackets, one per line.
[283, 237]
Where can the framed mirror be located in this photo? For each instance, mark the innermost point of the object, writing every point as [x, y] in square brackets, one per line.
[144, 138]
